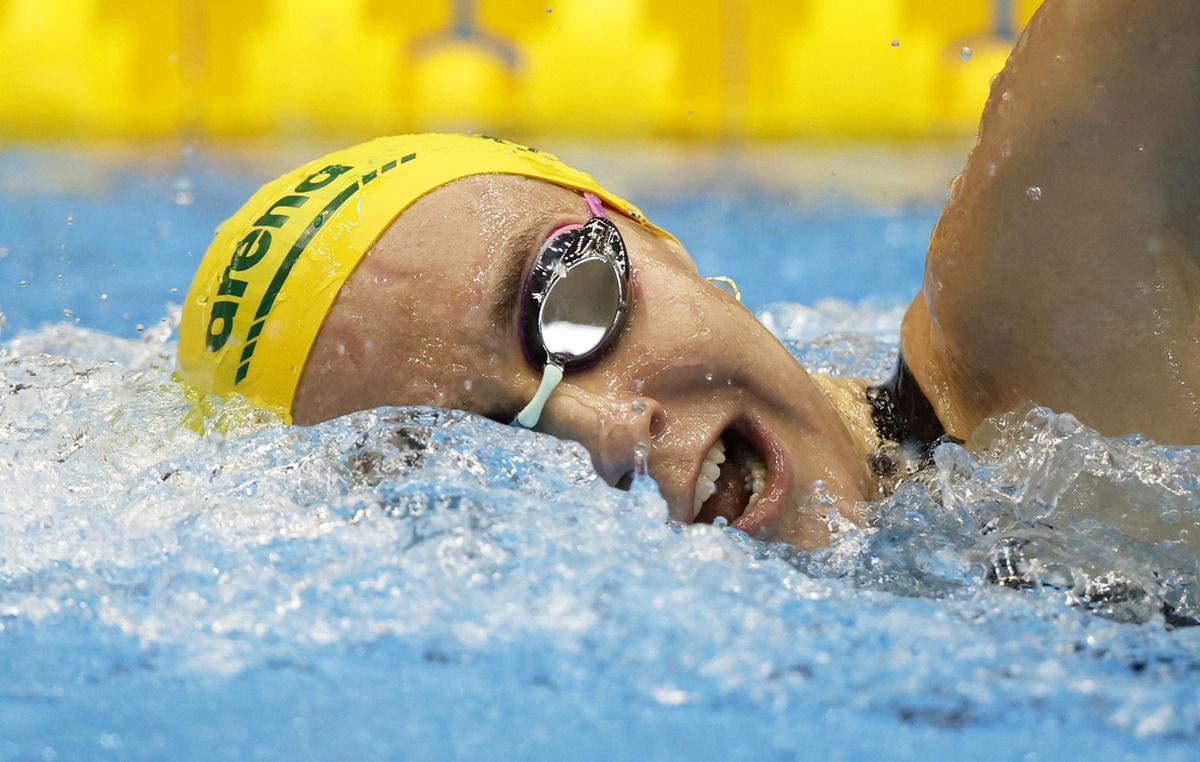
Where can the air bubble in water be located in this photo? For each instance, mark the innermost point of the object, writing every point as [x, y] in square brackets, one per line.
[1034, 193]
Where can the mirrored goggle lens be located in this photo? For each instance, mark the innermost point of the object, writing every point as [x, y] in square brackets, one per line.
[577, 297]
[581, 310]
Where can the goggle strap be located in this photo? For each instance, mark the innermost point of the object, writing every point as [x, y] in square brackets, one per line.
[552, 374]
[595, 205]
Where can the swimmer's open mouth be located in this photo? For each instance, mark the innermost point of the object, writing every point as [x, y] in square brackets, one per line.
[732, 479]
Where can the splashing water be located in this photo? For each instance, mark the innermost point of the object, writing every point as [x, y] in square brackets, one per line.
[429, 580]
[1107, 524]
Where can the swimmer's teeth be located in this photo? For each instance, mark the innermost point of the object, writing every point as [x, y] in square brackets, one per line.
[706, 482]
[710, 471]
[756, 478]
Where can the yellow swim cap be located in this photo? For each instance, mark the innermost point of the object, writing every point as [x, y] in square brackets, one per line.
[273, 270]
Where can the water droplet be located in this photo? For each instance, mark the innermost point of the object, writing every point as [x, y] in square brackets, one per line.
[139, 328]
[184, 193]
[70, 220]
[638, 407]
[1006, 102]
[68, 313]
[964, 53]
[641, 460]
[3, 252]
[104, 297]
[955, 187]
[638, 384]
[467, 384]
[1034, 193]
[1005, 149]
[642, 483]
[24, 283]
[895, 43]
[708, 376]
[1141, 146]
[990, 168]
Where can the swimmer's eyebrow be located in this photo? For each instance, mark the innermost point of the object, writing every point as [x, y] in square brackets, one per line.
[513, 257]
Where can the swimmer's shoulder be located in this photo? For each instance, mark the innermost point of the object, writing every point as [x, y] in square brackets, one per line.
[1065, 268]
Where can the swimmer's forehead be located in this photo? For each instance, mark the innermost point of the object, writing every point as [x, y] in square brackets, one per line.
[538, 205]
[486, 230]
[520, 214]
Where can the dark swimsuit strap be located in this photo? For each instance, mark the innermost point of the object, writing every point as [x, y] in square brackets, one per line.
[902, 413]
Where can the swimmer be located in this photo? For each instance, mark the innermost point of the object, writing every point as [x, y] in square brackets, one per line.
[472, 273]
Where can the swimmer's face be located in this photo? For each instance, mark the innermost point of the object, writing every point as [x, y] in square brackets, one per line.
[430, 316]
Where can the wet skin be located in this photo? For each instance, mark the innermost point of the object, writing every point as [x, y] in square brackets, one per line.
[417, 323]
[1083, 295]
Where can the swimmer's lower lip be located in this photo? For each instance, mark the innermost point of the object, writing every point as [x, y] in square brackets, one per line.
[764, 514]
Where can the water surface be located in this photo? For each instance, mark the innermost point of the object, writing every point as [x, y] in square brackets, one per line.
[420, 583]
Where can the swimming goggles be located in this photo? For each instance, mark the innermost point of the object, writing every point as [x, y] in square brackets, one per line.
[574, 303]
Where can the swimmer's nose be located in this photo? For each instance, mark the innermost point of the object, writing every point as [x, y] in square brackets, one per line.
[609, 427]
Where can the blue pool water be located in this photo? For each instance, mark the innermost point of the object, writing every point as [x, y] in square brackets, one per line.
[415, 583]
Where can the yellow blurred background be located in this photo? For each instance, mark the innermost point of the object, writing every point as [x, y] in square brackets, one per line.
[705, 69]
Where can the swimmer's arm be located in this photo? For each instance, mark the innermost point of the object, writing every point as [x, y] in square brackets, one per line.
[1064, 269]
